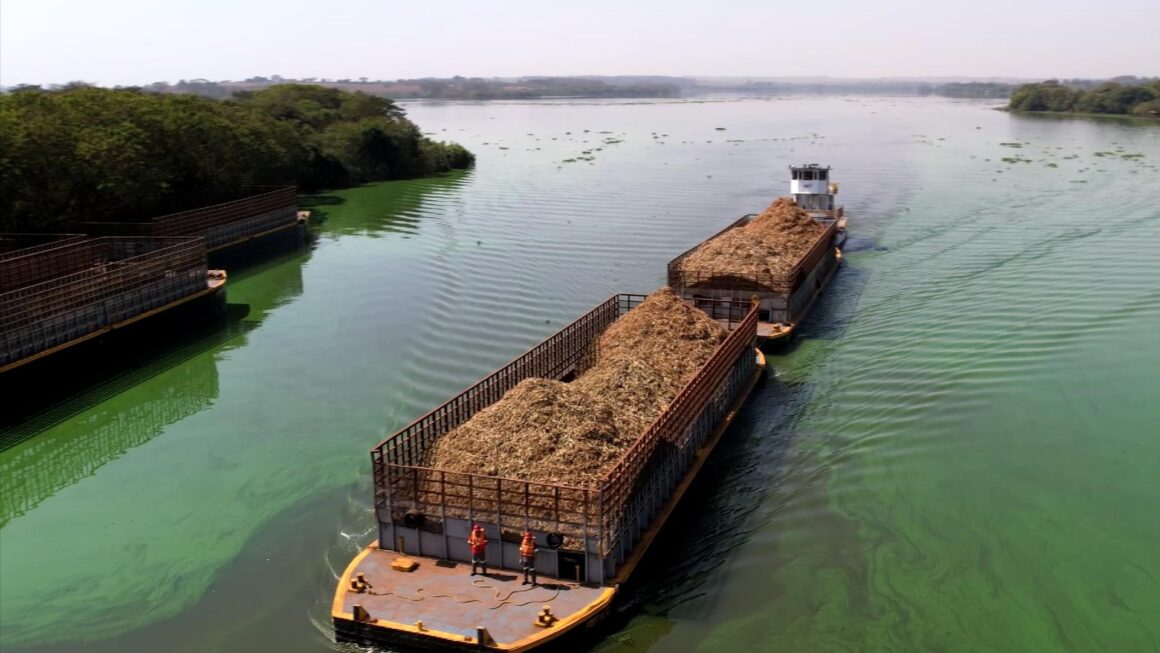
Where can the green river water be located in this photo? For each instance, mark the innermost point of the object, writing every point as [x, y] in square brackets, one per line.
[959, 453]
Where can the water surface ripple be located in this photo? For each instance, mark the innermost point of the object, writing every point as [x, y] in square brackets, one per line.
[958, 454]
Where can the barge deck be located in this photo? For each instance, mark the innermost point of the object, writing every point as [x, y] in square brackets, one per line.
[439, 601]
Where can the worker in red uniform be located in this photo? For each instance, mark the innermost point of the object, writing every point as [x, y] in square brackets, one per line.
[528, 557]
[478, 543]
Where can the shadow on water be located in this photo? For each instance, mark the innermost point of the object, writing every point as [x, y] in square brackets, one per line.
[719, 514]
[62, 459]
[831, 315]
[51, 390]
[87, 379]
[319, 206]
[724, 507]
[383, 208]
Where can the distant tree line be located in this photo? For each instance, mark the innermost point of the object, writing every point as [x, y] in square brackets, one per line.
[974, 90]
[71, 152]
[843, 87]
[884, 87]
[1139, 98]
[464, 88]
[448, 88]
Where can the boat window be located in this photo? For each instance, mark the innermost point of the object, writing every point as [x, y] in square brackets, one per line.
[822, 174]
[808, 175]
[795, 174]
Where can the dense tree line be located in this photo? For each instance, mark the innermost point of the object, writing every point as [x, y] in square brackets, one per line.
[1141, 99]
[475, 88]
[449, 88]
[66, 154]
[974, 90]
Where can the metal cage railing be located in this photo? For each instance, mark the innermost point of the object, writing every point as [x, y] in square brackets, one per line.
[17, 245]
[591, 514]
[681, 280]
[56, 295]
[220, 224]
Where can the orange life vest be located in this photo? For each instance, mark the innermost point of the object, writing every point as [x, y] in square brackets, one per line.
[477, 541]
[528, 548]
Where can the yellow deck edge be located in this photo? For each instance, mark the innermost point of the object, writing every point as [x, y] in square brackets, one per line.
[780, 335]
[344, 582]
[564, 625]
[214, 286]
[520, 645]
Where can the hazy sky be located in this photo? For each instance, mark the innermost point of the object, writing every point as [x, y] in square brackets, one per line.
[138, 41]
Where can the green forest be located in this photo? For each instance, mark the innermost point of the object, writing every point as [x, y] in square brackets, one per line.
[69, 153]
[1142, 99]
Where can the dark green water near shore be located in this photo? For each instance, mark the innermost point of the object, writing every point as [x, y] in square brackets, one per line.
[959, 454]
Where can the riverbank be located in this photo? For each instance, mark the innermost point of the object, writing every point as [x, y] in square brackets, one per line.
[204, 149]
[1075, 114]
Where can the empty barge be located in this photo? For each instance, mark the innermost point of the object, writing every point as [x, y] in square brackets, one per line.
[222, 221]
[412, 587]
[784, 299]
[59, 292]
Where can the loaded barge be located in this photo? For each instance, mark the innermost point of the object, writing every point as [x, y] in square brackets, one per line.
[784, 298]
[412, 587]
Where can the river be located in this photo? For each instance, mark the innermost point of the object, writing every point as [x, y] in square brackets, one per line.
[959, 452]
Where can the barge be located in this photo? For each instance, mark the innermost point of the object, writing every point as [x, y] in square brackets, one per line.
[784, 299]
[412, 587]
[224, 222]
[59, 293]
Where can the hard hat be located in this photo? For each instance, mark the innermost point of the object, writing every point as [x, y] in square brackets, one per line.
[527, 534]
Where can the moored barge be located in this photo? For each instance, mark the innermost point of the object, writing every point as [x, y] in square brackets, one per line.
[59, 292]
[412, 586]
[223, 222]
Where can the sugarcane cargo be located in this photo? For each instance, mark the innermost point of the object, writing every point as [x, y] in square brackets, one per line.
[554, 432]
[523, 448]
[586, 442]
[782, 256]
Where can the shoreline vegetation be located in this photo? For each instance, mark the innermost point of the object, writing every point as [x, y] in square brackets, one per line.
[622, 86]
[1077, 114]
[1139, 100]
[460, 88]
[69, 153]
